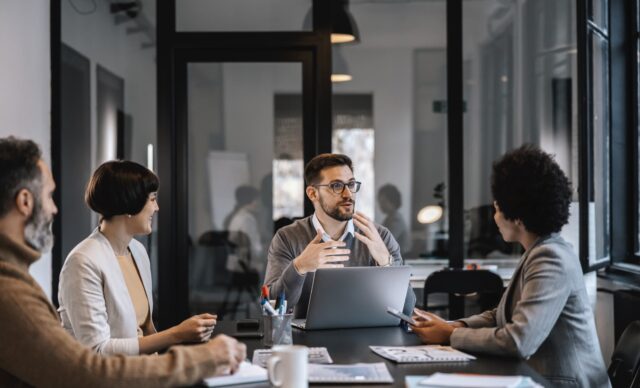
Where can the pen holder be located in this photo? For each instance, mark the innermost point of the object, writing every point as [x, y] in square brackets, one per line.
[277, 329]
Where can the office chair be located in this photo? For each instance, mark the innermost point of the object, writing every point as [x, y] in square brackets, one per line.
[247, 280]
[459, 284]
[624, 371]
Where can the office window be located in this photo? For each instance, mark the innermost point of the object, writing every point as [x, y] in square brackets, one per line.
[599, 133]
[354, 135]
[520, 73]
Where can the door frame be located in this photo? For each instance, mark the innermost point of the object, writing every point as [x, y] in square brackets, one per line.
[175, 50]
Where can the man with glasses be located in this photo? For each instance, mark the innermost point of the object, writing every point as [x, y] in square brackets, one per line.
[334, 236]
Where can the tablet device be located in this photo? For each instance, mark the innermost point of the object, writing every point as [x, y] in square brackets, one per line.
[400, 315]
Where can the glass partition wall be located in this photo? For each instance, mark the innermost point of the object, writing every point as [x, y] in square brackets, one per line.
[390, 116]
[245, 98]
[244, 176]
[520, 86]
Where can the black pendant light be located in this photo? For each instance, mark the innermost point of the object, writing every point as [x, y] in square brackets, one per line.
[343, 26]
[339, 69]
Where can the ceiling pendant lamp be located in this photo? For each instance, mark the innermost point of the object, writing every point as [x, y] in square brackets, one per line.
[343, 26]
[339, 68]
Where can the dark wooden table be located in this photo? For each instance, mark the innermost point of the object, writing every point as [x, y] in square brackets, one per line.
[349, 346]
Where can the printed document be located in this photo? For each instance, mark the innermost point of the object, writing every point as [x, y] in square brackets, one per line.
[423, 353]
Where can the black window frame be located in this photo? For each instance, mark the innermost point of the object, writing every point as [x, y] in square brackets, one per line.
[625, 193]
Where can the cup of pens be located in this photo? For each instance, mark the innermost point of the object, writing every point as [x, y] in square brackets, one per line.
[276, 322]
[277, 330]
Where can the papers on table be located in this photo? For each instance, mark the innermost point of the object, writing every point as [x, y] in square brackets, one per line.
[247, 373]
[460, 380]
[423, 353]
[350, 373]
[316, 356]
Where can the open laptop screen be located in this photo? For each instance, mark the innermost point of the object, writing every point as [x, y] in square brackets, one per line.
[356, 297]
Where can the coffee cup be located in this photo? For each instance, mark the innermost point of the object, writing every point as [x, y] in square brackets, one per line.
[288, 366]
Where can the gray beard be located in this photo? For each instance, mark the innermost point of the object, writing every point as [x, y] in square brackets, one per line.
[37, 232]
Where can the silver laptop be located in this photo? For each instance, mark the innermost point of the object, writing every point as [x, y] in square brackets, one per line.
[355, 297]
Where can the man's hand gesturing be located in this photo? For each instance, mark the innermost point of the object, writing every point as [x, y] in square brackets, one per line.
[371, 238]
[320, 254]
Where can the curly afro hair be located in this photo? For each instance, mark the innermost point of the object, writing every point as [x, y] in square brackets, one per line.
[529, 186]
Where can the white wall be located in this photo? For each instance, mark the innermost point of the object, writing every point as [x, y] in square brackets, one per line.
[25, 79]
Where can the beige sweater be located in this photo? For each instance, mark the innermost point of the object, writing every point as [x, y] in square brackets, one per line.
[36, 351]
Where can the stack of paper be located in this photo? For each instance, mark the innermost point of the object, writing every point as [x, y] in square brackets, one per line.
[247, 373]
[460, 380]
[423, 353]
[316, 356]
[350, 373]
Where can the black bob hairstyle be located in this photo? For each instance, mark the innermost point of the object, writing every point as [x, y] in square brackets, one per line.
[120, 187]
[529, 186]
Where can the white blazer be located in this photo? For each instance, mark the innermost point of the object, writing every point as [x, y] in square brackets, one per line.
[95, 305]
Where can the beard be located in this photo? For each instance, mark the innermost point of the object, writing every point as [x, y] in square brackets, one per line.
[37, 231]
[336, 212]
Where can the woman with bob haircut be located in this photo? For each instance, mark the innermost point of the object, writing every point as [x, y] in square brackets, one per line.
[544, 316]
[105, 283]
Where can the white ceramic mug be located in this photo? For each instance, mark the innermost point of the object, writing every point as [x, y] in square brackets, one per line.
[287, 366]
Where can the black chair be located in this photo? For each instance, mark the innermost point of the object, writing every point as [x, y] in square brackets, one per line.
[218, 241]
[624, 370]
[460, 284]
[245, 281]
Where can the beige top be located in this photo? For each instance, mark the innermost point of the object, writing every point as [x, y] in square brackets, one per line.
[136, 291]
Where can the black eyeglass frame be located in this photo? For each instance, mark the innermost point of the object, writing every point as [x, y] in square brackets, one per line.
[336, 186]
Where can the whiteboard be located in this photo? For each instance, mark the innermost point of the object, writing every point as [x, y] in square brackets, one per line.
[227, 170]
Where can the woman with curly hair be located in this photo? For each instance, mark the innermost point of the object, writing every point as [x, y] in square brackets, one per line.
[544, 315]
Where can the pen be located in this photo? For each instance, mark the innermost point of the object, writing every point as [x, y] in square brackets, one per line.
[267, 307]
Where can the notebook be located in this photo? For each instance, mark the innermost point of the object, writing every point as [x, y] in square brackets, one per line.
[350, 373]
[423, 353]
[247, 373]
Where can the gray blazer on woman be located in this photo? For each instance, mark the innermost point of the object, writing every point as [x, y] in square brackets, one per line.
[543, 317]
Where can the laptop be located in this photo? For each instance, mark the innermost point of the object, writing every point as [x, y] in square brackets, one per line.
[355, 297]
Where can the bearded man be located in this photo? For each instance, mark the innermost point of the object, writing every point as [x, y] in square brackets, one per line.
[334, 236]
[35, 349]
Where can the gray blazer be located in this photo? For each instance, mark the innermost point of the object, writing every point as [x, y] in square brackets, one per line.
[543, 317]
[291, 240]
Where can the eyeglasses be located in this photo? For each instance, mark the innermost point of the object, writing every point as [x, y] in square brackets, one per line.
[338, 187]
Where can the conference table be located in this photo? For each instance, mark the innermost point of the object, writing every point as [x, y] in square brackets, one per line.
[350, 346]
